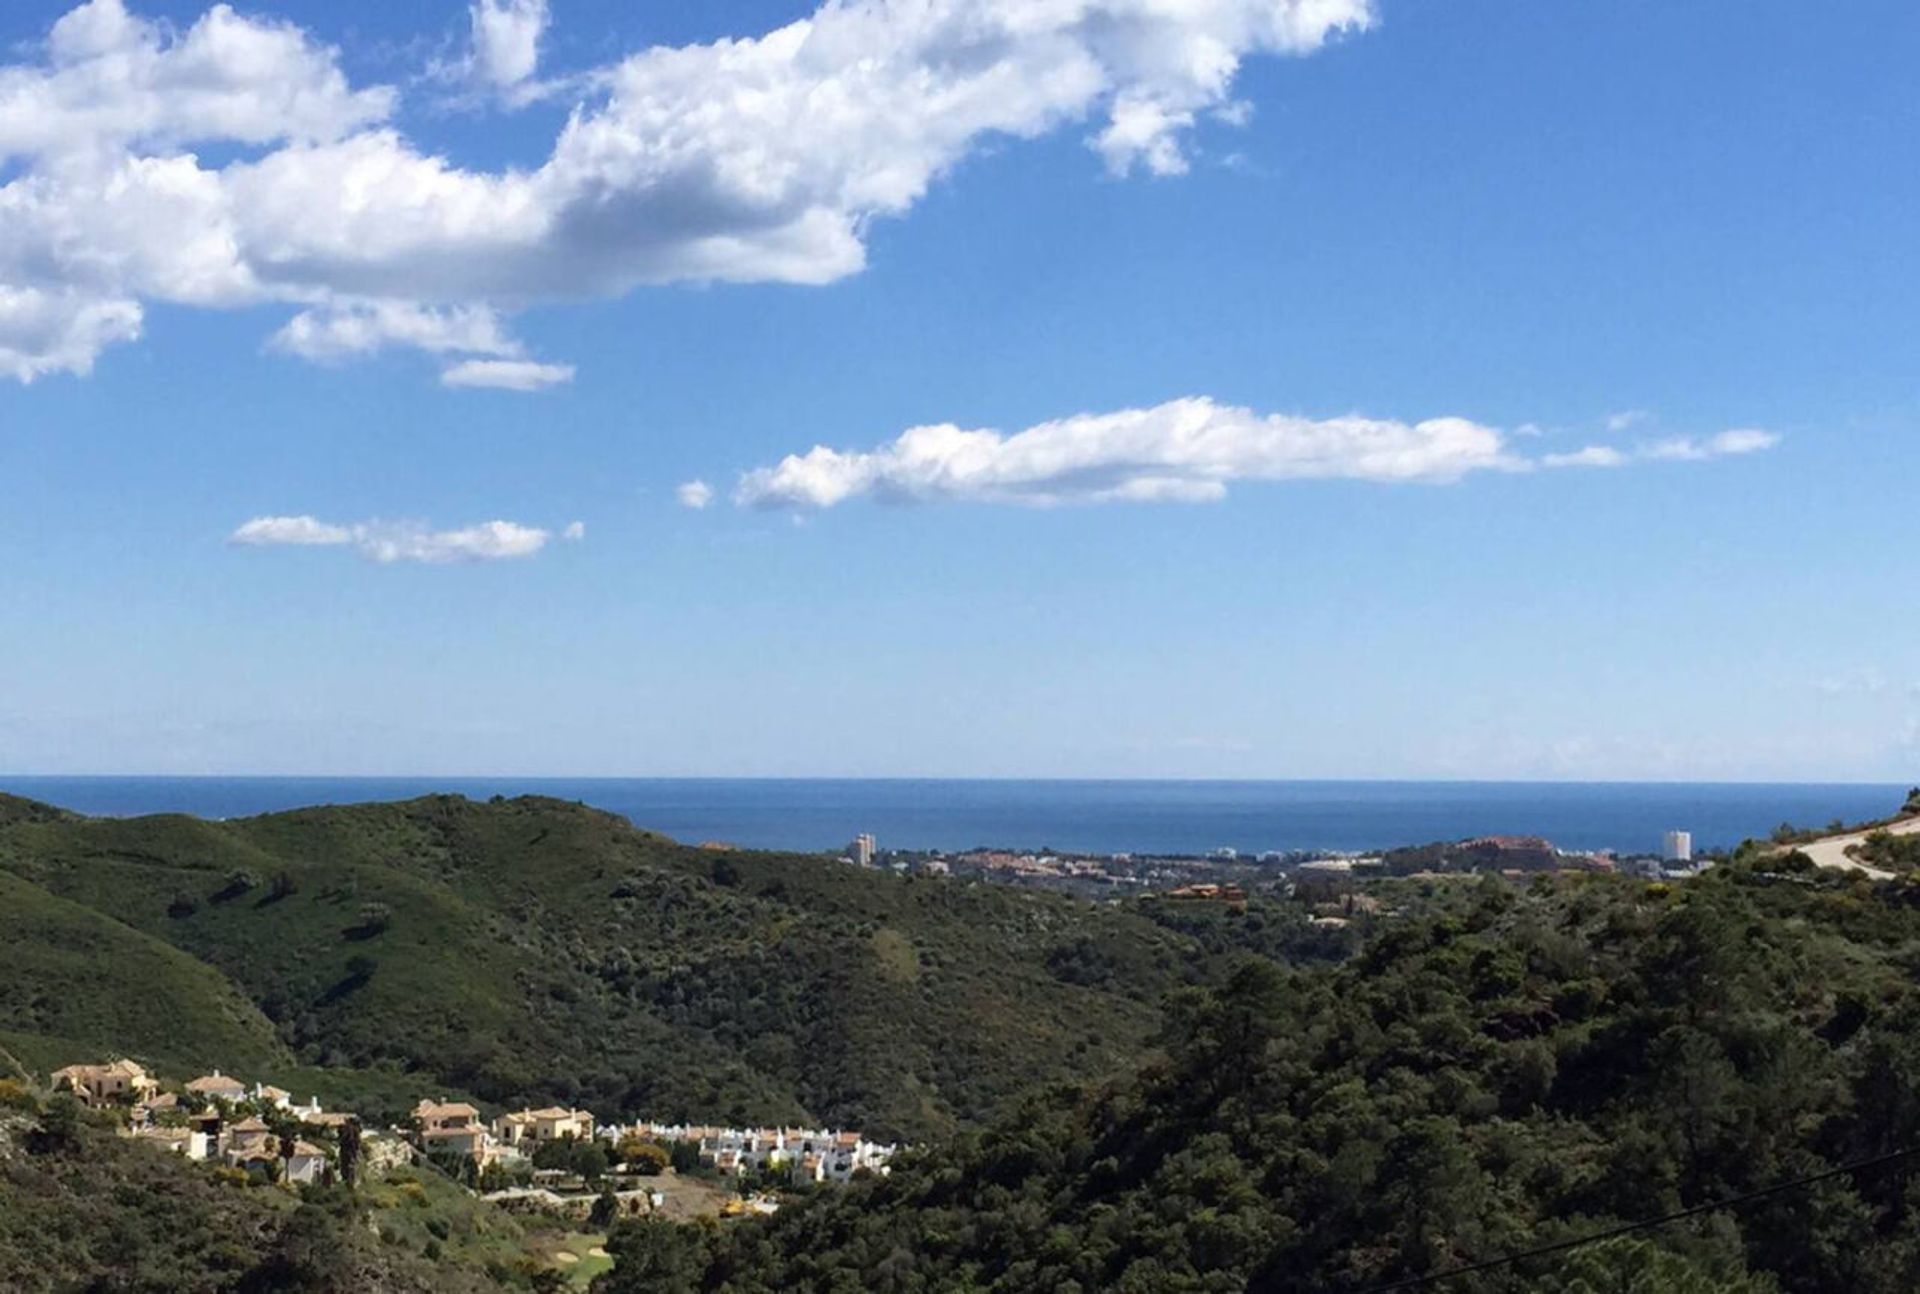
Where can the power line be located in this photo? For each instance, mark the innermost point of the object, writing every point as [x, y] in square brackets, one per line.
[1645, 1224]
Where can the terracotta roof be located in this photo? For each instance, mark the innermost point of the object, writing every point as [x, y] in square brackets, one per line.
[452, 1109]
[216, 1083]
[250, 1125]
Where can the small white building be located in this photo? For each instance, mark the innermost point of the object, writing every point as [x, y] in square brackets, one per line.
[306, 1165]
[1677, 847]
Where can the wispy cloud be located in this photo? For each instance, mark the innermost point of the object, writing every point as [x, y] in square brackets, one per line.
[401, 541]
[1187, 451]
[1677, 449]
[347, 329]
[506, 374]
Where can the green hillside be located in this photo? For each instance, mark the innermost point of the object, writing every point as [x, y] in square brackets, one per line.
[535, 950]
[76, 979]
[1497, 1071]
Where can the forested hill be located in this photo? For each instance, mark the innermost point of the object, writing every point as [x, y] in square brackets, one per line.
[1508, 1071]
[537, 950]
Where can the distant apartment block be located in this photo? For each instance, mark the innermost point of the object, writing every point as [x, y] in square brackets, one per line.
[1677, 846]
[862, 850]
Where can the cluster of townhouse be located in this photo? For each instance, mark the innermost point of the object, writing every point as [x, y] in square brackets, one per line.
[803, 1155]
[224, 1125]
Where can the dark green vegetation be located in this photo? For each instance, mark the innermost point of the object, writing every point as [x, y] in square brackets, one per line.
[81, 1209]
[1497, 1070]
[537, 951]
[1897, 852]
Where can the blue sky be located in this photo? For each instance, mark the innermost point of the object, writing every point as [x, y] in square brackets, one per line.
[1633, 225]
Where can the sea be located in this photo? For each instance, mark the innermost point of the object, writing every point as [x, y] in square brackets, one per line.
[1147, 817]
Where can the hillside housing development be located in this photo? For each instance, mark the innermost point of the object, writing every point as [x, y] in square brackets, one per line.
[262, 1129]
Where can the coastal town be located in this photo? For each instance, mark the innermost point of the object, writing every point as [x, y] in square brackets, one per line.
[554, 1159]
[1295, 871]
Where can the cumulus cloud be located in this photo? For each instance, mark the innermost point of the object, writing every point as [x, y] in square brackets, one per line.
[694, 494]
[399, 541]
[1185, 451]
[506, 374]
[234, 164]
[575, 531]
[506, 40]
[59, 331]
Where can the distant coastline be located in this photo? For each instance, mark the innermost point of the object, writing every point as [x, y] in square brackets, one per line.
[1164, 817]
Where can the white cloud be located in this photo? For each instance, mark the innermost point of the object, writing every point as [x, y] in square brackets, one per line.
[694, 494]
[762, 159]
[575, 531]
[1745, 440]
[506, 40]
[296, 531]
[113, 81]
[1683, 449]
[1184, 451]
[349, 328]
[1626, 420]
[398, 541]
[57, 331]
[506, 374]
[1591, 456]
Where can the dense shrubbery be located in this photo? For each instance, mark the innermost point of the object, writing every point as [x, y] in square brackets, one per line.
[1510, 1070]
[1897, 853]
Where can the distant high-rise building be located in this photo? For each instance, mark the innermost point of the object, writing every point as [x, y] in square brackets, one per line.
[863, 850]
[1677, 846]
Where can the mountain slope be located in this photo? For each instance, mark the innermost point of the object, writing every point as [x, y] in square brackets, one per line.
[1511, 1070]
[77, 979]
[536, 950]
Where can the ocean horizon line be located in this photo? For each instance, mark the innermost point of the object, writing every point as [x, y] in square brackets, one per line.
[922, 778]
